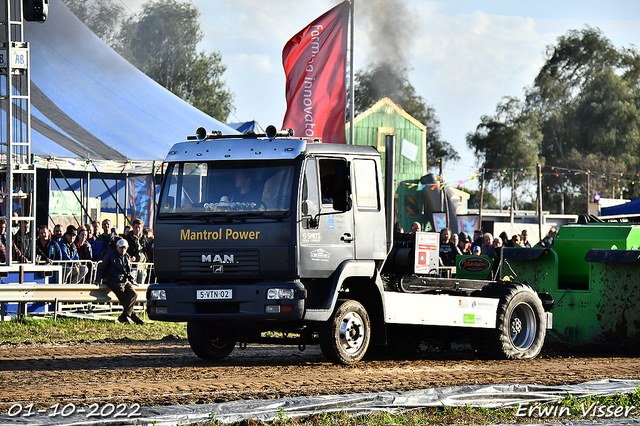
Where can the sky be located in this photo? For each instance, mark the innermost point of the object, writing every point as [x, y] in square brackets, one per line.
[464, 56]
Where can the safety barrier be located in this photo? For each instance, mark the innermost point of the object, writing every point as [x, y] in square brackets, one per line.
[39, 285]
[31, 292]
[78, 300]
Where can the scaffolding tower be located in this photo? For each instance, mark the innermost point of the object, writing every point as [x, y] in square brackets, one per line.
[17, 171]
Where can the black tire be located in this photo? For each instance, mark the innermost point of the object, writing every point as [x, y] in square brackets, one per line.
[209, 341]
[345, 337]
[520, 325]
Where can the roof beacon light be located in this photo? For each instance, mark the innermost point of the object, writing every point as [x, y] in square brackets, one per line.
[271, 132]
[201, 133]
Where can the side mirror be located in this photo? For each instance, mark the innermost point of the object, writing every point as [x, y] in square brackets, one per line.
[342, 198]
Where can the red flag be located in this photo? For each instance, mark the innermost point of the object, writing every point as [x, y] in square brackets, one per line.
[314, 64]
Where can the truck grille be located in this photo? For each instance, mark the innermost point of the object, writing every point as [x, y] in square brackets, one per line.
[221, 263]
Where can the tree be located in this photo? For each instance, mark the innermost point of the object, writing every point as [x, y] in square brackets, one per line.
[581, 115]
[383, 80]
[103, 17]
[489, 201]
[204, 88]
[587, 97]
[161, 42]
[508, 140]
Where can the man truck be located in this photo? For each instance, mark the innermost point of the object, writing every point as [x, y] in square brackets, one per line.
[272, 238]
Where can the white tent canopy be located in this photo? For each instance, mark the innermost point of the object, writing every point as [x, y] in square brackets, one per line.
[89, 102]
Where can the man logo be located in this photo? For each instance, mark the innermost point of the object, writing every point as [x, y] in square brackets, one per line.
[227, 258]
[218, 269]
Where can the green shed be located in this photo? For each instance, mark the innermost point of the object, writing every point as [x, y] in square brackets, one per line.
[386, 118]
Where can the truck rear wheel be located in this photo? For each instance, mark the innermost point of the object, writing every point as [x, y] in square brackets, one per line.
[345, 337]
[209, 341]
[520, 325]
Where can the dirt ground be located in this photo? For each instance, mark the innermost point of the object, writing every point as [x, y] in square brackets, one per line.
[168, 373]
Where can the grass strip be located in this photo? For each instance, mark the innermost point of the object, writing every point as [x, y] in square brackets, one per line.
[74, 330]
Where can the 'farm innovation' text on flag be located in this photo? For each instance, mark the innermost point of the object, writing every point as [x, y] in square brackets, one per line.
[314, 65]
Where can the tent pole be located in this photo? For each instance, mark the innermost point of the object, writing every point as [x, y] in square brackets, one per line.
[351, 72]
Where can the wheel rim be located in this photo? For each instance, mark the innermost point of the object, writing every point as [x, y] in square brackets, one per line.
[352, 332]
[219, 342]
[522, 326]
[217, 339]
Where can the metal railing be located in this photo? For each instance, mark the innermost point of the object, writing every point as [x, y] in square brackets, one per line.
[143, 272]
[68, 296]
[82, 300]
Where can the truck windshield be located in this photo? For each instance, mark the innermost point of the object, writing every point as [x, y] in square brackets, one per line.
[226, 186]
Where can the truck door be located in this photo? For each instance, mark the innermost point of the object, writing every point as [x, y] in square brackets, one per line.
[324, 245]
[371, 242]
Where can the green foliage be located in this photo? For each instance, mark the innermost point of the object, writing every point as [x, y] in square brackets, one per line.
[161, 42]
[384, 80]
[587, 97]
[582, 113]
[510, 139]
[102, 17]
[489, 201]
[283, 419]
[204, 88]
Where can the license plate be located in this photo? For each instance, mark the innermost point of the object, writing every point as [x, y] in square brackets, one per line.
[214, 294]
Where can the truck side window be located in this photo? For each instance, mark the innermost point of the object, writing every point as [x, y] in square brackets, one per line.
[185, 186]
[310, 187]
[193, 175]
[328, 180]
[366, 186]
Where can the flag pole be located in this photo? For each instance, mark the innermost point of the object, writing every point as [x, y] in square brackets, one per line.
[352, 111]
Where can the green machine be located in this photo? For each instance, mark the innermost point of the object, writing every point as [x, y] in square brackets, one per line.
[592, 275]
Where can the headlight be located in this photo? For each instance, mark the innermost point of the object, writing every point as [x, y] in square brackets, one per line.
[158, 295]
[280, 293]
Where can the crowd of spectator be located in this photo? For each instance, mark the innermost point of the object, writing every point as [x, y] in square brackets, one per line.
[481, 244]
[485, 244]
[78, 248]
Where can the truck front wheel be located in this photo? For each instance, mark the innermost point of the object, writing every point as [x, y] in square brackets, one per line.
[345, 337]
[209, 341]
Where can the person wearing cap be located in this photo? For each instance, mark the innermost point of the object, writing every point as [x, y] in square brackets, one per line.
[73, 271]
[464, 244]
[477, 251]
[115, 268]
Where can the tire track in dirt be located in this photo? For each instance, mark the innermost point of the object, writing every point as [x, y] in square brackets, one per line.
[153, 373]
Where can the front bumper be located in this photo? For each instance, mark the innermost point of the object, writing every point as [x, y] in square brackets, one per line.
[248, 303]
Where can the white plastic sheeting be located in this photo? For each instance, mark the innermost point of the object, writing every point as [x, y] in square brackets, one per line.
[491, 396]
